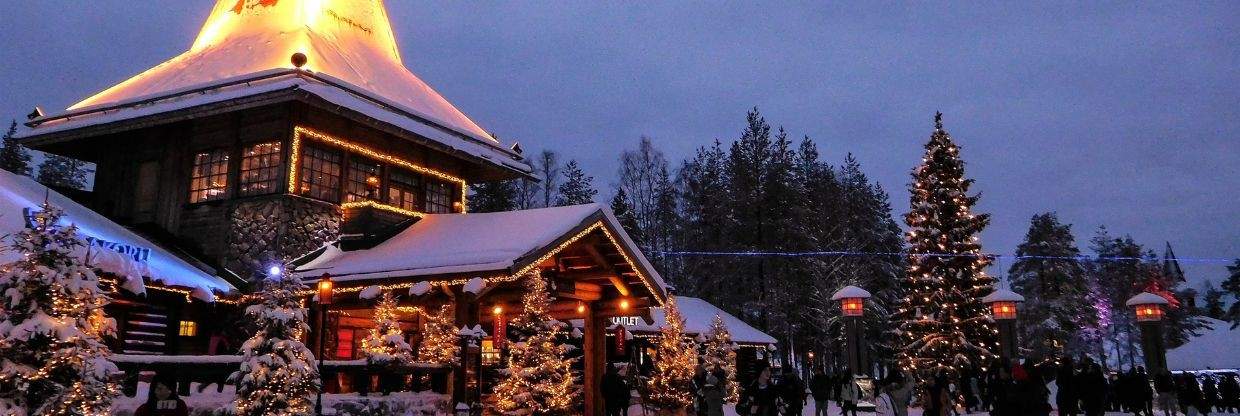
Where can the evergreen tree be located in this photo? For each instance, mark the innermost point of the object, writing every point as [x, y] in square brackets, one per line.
[578, 188]
[539, 379]
[624, 214]
[942, 319]
[1232, 286]
[1213, 304]
[705, 223]
[385, 343]
[13, 156]
[62, 172]
[720, 352]
[671, 385]
[495, 196]
[52, 358]
[278, 375]
[1049, 275]
[440, 343]
[1118, 272]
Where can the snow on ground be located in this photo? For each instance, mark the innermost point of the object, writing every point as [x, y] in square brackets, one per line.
[210, 399]
[1216, 348]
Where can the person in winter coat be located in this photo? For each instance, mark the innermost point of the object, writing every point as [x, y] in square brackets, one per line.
[1190, 396]
[616, 393]
[1002, 393]
[820, 388]
[1164, 390]
[792, 391]
[1229, 394]
[884, 405]
[162, 400]
[1031, 393]
[1092, 386]
[761, 396]
[937, 397]
[1209, 394]
[1145, 392]
[712, 397]
[1066, 396]
[850, 393]
[901, 392]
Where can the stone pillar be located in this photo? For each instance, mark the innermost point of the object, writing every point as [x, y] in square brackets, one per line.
[595, 360]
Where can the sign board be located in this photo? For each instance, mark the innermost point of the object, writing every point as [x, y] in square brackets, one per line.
[137, 253]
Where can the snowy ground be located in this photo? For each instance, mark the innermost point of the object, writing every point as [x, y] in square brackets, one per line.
[834, 410]
[209, 399]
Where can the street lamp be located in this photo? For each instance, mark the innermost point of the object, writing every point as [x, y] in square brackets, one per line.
[325, 289]
[1003, 307]
[852, 306]
[1148, 308]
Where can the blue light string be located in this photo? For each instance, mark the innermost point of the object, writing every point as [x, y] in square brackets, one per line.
[998, 257]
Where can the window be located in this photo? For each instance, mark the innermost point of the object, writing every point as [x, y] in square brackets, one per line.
[344, 344]
[363, 181]
[438, 197]
[260, 168]
[490, 355]
[403, 190]
[188, 329]
[209, 179]
[320, 174]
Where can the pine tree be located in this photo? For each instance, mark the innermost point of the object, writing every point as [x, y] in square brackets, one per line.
[385, 343]
[13, 156]
[52, 358]
[495, 196]
[624, 214]
[439, 338]
[278, 375]
[1213, 304]
[671, 385]
[62, 172]
[1232, 286]
[578, 188]
[720, 352]
[539, 379]
[942, 319]
[1048, 273]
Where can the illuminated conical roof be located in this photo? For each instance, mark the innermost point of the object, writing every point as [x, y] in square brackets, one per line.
[343, 40]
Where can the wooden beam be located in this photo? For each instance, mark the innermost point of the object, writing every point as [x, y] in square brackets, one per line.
[594, 361]
[616, 281]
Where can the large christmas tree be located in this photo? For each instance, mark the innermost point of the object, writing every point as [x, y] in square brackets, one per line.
[52, 360]
[671, 385]
[720, 352]
[440, 341]
[943, 322]
[385, 343]
[278, 375]
[539, 378]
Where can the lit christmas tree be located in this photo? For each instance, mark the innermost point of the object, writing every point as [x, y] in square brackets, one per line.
[721, 352]
[671, 385]
[942, 320]
[278, 375]
[539, 379]
[52, 358]
[385, 344]
[440, 342]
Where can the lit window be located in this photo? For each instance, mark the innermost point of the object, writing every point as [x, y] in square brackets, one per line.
[344, 344]
[363, 181]
[490, 355]
[260, 168]
[320, 174]
[209, 179]
[403, 190]
[438, 197]
[188, 329]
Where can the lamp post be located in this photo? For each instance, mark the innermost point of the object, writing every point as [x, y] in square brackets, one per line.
[1148, 308]
[1003, 307]
[325, 288]
[852, 305]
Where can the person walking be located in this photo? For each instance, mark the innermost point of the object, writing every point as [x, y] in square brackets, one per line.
[1032, 395]
[850, 393]
[1164, 390]
[1229, 394]
[792, 391]
[762, 395]
[1145, 392]
[616, 393]
[883, 403]
[901, 391]
[1209, 394]
[712, 396]
[1066, 393]
[1001, 393]
[1190, 396]
[820, 388]
[1092, 385]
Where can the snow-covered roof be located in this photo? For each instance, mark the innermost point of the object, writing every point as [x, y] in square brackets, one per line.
[1146, 298]
[351, 54]
[140, 257]
[698, 315]
[1215, 349]
[1003, 295]
[850, 292]
[440, 244]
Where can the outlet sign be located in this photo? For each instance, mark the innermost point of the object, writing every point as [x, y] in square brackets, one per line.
[624, 320]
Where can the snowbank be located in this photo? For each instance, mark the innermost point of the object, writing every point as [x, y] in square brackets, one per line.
[1217, 348]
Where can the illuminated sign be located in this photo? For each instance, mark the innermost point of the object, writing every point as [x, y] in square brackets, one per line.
[138, 254]
[624, 320]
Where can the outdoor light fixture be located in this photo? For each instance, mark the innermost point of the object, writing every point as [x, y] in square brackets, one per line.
[852, 300]
[1148, 306]
[624, 304]
[581, 308]
[852, 306]
[274, 270]
[326, 287]
[1003, 303]
[497, 310]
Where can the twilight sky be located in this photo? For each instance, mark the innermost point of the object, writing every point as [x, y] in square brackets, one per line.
[1118, 114]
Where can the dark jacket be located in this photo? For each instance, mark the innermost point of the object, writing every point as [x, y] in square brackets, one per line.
[616, 392]
[820, 386]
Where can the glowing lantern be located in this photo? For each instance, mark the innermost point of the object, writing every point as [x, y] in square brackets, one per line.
[624, 304]
[1148, 306]
[1003, 303]
[852, 300]
[325, 287]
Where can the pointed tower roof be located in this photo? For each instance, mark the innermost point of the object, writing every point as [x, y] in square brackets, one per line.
[246, 47]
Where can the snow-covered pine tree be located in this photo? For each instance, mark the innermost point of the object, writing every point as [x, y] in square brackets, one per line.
[943, 322]
[494, 196]
[721, 352]
[52, 357]
[1213, 305]
[705, 224]
[578, 187]
[1048, 273]
[1117, 273]
[671, 384]
[539, 380]
[1232, 286]
[62, 172]
[278, 375]
[440, 341]
[385, 343]
[13, 156]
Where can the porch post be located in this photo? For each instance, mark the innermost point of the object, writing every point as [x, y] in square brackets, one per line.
[465, 309]
[595, 345]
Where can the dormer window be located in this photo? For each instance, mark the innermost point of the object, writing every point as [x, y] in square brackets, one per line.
[209, 178]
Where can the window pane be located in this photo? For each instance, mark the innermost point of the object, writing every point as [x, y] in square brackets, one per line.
[363, 183]
[403, 190]
[209, 178]
[320, 174]
[260, 168]
[438, 197]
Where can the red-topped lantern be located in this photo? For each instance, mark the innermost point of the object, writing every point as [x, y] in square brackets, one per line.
[852, 300]
[852, 306]
[1148, 306]
[1003, 303]
[326, 289]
